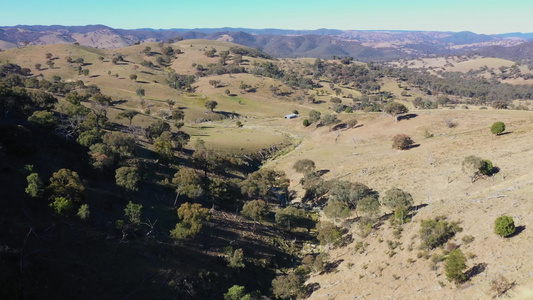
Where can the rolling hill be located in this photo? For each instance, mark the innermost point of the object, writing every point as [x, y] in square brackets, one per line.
[46, 252]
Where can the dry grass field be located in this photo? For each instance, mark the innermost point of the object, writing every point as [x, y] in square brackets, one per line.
[431, 172]
[113, 79]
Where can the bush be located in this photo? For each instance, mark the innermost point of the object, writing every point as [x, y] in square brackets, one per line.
[61, 205]
[291, 217]
[329, 119]
[314, 116]
[475, 166]
[238, 292]
[192, 217]
[288, 286]
[395, 198]
[235, 258]
[316, 263]
[351, 123]
[255, 210]
[369, 206]
[497, 128]
[454, 266]
[500, 285]
[504, 226]
[328, 233]
[338, 108]
[486, 167]
[401, 142]
[304, 166]
[306, 122]
[35, 185]
[44, 118]
[450, 123]
[84, 212]
[436, 232]
[337, 210]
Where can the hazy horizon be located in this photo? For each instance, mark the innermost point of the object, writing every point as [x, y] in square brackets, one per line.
[263, 28]
[489, 17]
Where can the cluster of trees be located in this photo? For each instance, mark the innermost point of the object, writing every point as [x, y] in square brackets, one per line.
[181, 82]
[64, 191]
[342, 196]
[466, 85]
[360, 77]
[251, 52]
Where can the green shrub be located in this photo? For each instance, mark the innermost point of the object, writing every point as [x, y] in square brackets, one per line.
[436, 232]
[61, 205]
[504, 226]
[35, 185]
[288, 286]
[44, 118]
[235, 258]
[497, 128]
[83, 212]
[401, 214]
[486, 167]
[328, 233]
[337, 210]
[454, 266]
[475, 166]
[306, 122]
[467, 239]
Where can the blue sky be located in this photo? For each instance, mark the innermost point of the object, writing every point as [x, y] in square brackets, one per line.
[480, 16]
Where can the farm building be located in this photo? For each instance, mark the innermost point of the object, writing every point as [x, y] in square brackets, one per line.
[291, 116]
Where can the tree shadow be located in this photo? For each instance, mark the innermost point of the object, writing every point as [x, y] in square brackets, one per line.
[322, 172]
[357, 126]
[310, 289]
[141, 81]
[226, 114]
[417, 207]
[517, 231]
[347, 240]
[413, 146]
[476, 270]
[413, 210]
[339, 126]
[94, 76]
[407, 117]
[118, 102]
[145, 72]
[504, 133]
[332, 266]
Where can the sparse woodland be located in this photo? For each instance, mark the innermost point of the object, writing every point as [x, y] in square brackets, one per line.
[168, 171]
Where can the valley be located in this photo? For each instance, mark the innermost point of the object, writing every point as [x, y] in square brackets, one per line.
[169, 171]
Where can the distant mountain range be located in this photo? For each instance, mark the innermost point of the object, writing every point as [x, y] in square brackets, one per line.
[322, 43]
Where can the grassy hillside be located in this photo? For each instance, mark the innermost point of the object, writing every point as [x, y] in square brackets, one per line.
[432, 173]
[264, 224]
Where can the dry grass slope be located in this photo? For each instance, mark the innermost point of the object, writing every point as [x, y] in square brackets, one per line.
[432, 174]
